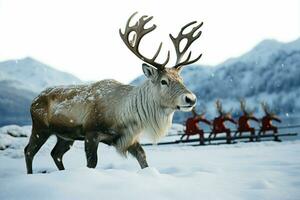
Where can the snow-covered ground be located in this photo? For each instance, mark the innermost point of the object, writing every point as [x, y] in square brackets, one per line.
[265, 170]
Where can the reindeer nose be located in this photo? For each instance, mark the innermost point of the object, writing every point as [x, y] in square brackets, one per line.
[190, 99]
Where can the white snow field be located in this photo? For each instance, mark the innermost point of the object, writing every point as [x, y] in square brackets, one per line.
[254, 171]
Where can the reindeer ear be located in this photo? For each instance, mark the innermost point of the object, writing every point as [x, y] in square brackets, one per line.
[149, 71]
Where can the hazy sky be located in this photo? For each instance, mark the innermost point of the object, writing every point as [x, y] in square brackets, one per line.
[81, 37]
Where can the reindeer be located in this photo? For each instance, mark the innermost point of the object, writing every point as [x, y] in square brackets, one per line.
[218, 123]
[192, 127]
[243, 122]
[266, 122]
[113, 113]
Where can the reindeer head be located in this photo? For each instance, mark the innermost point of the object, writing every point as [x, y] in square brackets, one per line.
[221, 112]
[228, 115]
[166, 83]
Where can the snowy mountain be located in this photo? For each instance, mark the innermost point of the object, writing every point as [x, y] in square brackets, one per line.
[269, 72]
[34, 75]
[20, 81]
[14, 104]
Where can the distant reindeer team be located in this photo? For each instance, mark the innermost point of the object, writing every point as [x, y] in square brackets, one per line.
[243, 125]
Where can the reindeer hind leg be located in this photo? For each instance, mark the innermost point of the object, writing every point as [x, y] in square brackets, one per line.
[228, 136]
[235, 134]
[209, 137]
[36, 141]
[275, 132]
[181, 138]
[252, 134]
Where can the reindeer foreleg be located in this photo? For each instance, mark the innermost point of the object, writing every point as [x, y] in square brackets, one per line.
[138, 152]
[91, 146]
[91, 143]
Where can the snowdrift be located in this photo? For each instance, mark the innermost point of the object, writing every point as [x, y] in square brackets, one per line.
[265, 170]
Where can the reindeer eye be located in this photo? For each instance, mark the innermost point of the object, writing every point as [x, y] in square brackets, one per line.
[163, 82]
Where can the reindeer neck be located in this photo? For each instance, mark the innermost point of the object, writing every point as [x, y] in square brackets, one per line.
[155, 120]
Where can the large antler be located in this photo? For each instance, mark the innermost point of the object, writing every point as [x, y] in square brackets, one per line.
[243, 106]
[140, 32]
[265, 108]
[219, 107]
[190, 39]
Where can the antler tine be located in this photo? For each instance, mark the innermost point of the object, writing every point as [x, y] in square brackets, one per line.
[190, 34]
[156, 54]
[167, 60]
[190, 39]
[129, 19]
[187, 62]
[243, 105]
[140, 32]
[264, 107]
[219, 107]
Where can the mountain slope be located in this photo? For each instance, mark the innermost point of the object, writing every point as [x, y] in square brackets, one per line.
[34, 75]
[22, 80]
[14, 104]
